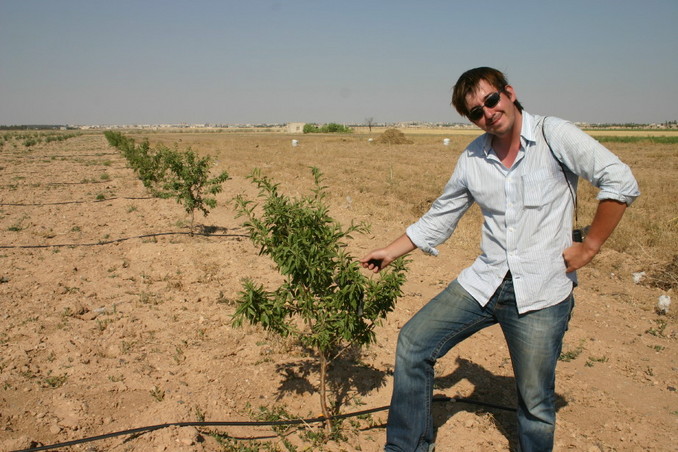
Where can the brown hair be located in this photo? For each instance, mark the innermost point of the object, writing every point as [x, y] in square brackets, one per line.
[468, 82]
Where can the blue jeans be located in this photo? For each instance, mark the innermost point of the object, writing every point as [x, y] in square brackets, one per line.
[534, 340]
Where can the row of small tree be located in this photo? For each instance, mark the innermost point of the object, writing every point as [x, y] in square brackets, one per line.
[29, 139]
[326, 303]
[171, 173]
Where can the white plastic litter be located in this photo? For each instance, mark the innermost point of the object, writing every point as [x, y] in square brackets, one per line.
[638, 277]
[663, 304]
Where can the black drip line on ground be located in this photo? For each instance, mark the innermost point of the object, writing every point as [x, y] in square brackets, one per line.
[42, 157]
[56, 184]
[70, 202]
[108, 242]
[150, 428]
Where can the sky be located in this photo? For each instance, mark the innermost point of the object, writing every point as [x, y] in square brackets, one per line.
[122, 62]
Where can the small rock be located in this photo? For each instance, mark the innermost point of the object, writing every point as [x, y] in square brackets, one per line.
[189, 436]
[78, 309]
[91, 315]
[22, 442]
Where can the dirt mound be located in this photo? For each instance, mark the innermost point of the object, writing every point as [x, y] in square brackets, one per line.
[393, 136]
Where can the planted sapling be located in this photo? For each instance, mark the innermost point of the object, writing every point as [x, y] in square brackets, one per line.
[337, 304]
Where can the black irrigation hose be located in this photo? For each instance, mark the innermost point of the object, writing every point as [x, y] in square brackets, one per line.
[69, 202]
[42, 157]
[250, 423]
[54, 184]
[108, 242]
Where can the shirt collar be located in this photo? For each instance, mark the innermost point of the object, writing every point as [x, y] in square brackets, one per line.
[527, 130]
[526, 133]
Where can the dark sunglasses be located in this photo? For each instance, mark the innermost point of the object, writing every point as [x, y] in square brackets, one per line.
[491, 101]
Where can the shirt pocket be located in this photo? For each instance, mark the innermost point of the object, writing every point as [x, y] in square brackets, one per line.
[540, 188]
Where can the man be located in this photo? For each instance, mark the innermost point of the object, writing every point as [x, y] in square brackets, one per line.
[524, 278]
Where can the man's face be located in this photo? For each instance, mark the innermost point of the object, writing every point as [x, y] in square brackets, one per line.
[498, 120]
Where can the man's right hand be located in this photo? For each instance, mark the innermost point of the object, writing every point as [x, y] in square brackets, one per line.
[375, 260]
[380, 258]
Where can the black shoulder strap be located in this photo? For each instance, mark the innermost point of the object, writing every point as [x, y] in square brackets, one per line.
[562, 167]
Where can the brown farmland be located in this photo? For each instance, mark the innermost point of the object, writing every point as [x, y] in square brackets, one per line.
[110, 324]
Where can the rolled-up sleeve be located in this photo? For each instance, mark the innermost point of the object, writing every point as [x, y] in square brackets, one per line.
[586, 157]
[623, 186]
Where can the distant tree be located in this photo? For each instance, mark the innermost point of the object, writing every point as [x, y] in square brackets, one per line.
[370, 122]
[331, 127]
[311, 128]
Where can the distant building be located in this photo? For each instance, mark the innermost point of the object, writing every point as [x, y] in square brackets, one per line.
[295, 127]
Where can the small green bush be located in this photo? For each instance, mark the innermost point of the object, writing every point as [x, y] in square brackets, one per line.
[311, 128]
[324, 286]
[188, 178]
[331, 127]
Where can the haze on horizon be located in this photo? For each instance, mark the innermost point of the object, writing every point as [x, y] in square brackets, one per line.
[228, 62]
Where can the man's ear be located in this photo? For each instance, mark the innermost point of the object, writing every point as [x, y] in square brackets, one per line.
[508, 89]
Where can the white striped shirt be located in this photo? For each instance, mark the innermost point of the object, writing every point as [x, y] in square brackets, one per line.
[527, 209]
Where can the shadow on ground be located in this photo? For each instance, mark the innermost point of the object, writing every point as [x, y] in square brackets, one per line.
[489, 388]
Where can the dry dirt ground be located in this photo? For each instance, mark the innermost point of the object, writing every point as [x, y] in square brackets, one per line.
[109, 324]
